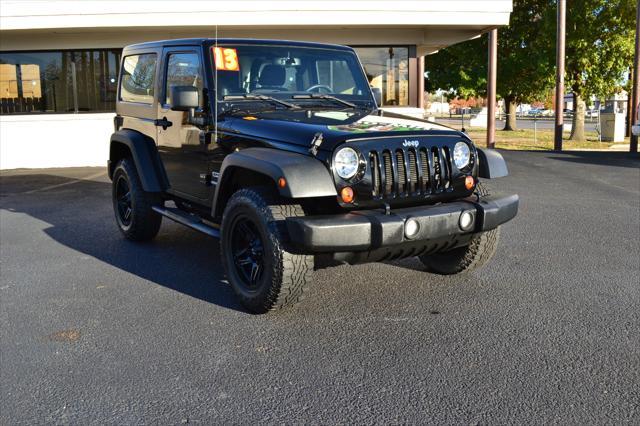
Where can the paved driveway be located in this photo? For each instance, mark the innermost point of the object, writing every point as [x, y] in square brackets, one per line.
[95, 329]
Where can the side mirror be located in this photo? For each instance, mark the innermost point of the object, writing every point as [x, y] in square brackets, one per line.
[377, 95]
[184, 98]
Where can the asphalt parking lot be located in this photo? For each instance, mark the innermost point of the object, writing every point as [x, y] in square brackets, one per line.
[95, 329]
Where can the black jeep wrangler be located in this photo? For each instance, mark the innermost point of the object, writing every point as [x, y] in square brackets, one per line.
[279, 149]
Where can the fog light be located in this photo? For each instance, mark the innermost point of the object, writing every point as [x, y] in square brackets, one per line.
[411, 228]
[466, 221]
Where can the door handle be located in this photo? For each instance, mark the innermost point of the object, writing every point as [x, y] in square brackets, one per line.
[164, 123]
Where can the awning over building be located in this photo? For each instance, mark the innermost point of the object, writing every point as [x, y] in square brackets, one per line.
[60, 59]
[427, 24]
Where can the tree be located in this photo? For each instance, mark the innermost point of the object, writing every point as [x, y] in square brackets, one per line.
[600, 44]
[526, 56]
[460, 70]
[525, 60]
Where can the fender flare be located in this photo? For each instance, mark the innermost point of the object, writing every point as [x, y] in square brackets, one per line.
[306, 176]
[491, 164]
[145, 157]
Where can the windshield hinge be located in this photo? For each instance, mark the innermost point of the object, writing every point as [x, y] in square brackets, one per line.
[315, 144]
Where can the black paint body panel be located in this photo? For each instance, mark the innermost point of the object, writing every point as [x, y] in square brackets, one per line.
[145, 156]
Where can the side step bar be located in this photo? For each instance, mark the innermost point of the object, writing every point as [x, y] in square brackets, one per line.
[187, 219]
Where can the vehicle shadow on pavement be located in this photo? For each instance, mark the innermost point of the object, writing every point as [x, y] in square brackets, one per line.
[80, 216]
[615, 159]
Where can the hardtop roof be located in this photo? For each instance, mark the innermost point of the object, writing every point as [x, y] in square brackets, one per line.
[211, 41]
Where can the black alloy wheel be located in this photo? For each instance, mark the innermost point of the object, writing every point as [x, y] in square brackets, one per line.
[132, 205]
[247, 250]
[123, 200]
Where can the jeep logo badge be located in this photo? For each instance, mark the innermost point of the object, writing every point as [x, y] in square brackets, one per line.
[413, 143]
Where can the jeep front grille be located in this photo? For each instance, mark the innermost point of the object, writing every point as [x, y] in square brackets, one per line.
[410, 172]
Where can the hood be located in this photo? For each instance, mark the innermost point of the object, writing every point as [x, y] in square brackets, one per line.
[300, 126]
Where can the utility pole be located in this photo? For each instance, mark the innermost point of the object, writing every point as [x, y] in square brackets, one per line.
[421, 82]
[560, 47]
[633, 145]
[491, 88]
[627, 130]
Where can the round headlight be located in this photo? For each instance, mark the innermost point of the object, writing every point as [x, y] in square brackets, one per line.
[346, 163]
[461, 155]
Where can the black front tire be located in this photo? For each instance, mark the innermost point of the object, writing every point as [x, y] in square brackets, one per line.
[133, 205]
[473, 256]
[464, 259]
[262, 270]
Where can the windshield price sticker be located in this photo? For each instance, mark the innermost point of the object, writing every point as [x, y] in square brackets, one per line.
[226, 59]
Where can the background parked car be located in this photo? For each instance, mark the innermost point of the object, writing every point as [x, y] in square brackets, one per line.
[540, 112]
[592, 113]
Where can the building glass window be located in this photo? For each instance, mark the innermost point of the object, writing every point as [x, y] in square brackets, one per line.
[138, 77]
[337, 75]
[58, 82]
[387, 68]
[72, 81]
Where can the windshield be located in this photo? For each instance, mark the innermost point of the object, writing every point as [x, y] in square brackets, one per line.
[286, 72]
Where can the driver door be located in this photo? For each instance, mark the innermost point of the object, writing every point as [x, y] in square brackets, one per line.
[184, 155]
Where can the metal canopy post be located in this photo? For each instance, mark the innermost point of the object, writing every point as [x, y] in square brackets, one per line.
[491, 88]
[633, 145]
[560, 47]
[421, 82]
[627, 130]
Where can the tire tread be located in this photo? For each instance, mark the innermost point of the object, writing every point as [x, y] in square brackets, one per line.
[292, 272]
[464, 259]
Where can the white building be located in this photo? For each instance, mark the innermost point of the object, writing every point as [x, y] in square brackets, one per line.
[59, 59]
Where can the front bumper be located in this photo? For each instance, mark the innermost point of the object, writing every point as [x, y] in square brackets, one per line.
[367, 230]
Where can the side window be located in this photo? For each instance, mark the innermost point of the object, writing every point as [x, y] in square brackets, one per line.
[183, 69]
[138, 76]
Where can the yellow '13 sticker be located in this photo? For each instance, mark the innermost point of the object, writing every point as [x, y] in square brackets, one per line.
[226, 59]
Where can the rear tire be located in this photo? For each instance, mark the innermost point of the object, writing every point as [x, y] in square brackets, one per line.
[133, 205]
[464, 259]
[261, 269]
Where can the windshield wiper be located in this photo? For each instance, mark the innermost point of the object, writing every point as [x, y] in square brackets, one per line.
[254, 97]
[323, 96]
[232, 111]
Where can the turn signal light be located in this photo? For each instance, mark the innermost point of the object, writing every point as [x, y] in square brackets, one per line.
[282, 182]
[346, 194]
[469, 182]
